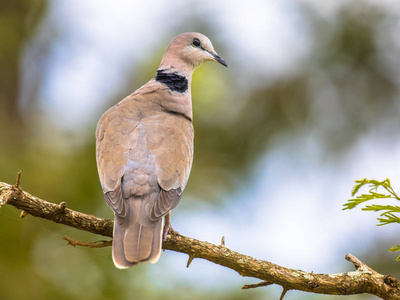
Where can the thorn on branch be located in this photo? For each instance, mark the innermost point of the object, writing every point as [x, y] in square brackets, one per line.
[223, 241]
[18, 181]
[98, 244]
[256, 285]
[190, 259]
[23, 214]
[16, 189]
[283, 293]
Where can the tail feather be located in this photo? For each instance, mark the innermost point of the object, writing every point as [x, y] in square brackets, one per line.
[136, 243]
[157, 242]
[118, 247]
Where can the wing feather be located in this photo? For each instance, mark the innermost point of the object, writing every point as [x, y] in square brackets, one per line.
[166, 201]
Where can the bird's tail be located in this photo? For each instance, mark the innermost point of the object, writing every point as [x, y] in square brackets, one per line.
[136, 243]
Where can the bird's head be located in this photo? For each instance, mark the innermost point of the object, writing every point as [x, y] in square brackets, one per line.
[192, 49]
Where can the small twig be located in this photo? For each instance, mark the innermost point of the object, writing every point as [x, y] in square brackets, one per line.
[98, 244]
[256, 285]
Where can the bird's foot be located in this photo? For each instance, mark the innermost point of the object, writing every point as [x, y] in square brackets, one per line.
[167, 227]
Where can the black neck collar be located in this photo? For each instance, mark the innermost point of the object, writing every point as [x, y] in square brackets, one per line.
[174, 81]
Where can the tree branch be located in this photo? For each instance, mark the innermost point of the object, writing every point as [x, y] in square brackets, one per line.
[362, 280]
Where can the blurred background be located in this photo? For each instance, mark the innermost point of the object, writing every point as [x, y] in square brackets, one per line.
[309, 103]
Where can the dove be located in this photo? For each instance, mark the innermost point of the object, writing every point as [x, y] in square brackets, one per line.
[144, 151]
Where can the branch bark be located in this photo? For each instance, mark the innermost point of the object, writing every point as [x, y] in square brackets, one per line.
[362, 280]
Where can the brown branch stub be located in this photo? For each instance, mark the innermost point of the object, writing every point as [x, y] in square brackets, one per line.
[61, 207]
[362, 280]
[356, 262]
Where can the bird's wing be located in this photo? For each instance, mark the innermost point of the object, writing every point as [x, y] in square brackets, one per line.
[170, 139]
[116, 133]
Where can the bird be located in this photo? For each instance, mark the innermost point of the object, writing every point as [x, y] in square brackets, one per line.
[144, 151]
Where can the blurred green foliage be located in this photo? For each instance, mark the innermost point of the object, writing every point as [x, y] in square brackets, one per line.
[340, 93]
[18, 22]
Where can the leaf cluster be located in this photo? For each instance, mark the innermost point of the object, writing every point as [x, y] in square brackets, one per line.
[389, 213]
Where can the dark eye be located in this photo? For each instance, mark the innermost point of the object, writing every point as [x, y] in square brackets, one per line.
[196, 42]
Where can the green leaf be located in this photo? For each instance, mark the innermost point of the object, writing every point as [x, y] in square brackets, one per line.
[351, 203]
[360, 184]
[388, 208]
[395, 248]
[390, 218]
[373, 194]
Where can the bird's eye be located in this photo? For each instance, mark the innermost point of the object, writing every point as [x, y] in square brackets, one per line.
[196, 42]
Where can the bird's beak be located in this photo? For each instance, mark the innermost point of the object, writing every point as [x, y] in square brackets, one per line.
[219, 59]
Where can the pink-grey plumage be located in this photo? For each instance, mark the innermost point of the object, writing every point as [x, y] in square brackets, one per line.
[144, 151]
